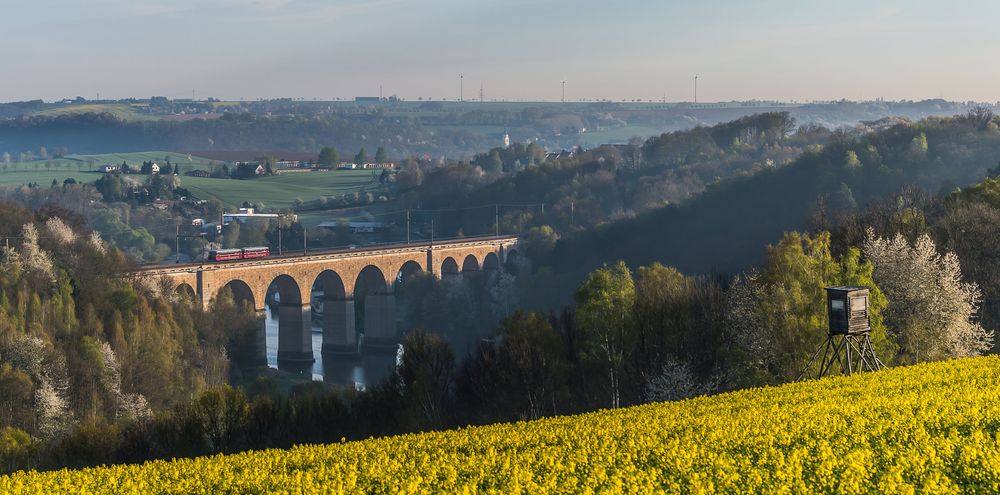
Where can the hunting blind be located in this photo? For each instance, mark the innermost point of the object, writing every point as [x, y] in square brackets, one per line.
[848, 345]
[848, 310]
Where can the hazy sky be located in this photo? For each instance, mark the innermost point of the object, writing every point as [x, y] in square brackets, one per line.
[764, 49]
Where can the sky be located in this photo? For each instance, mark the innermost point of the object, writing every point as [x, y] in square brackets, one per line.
[513, 49]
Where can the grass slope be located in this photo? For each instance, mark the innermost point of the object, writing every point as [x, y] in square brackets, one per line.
[119, 110]
[90, 163]
[930, 428]
[278, 191]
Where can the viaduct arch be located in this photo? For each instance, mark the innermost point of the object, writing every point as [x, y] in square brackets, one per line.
[349, 280]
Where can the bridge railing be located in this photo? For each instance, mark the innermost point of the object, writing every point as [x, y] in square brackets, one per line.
[347, 248]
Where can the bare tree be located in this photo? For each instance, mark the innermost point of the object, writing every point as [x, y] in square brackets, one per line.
[980, 116]
[674, 382]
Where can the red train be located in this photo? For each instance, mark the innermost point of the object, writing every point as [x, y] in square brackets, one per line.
[238, 254]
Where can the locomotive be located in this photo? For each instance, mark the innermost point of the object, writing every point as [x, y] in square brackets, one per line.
[238, 254]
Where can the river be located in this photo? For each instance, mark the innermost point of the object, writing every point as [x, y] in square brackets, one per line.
[360, 372]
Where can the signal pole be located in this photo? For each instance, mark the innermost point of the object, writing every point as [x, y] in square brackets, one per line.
[461, 87]
[563, 91]
[407, 226]
[496, 217]
[177, 241]
[696, 89]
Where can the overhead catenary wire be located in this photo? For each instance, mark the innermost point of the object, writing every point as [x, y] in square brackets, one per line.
[446, 210]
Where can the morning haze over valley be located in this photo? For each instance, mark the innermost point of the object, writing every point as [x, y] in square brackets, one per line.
[257, 246]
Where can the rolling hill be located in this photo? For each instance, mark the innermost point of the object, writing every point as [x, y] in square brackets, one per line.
[930, 428]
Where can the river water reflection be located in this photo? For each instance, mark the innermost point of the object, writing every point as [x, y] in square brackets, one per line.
[360, 372]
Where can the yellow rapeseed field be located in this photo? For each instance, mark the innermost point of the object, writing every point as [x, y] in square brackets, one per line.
[923, 429]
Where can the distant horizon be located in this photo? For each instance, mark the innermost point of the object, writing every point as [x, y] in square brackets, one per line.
[512, 49]
[420, 99]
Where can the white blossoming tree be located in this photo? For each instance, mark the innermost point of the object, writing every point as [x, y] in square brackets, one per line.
[48, 370]
[62, 233]
[37, 262]
[97, 242]
[676, 381]
[127, 405]
[931, 310]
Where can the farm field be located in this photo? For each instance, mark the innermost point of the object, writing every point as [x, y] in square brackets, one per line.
[187, 162]
[85, 163]
[278, 191]
[119, 110]
[930, 428]
[44, 177]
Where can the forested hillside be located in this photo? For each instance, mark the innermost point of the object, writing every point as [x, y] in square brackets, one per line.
[608, 183]
[80, 344]
[722, 229]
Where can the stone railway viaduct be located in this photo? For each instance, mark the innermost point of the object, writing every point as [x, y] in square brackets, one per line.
[369, 275]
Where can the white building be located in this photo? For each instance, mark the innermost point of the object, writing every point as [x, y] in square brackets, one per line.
[246, 214]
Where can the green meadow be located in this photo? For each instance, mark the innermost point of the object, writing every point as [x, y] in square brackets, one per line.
[279, 191]
[119, 110]
[93, 162]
